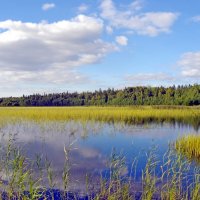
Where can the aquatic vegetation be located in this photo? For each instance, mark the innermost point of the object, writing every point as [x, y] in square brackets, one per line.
[172, 178]
[189, 146]
[175, 178]
[128, 115]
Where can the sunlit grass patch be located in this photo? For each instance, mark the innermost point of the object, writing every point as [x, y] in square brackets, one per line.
[189, 146]
[128, 115]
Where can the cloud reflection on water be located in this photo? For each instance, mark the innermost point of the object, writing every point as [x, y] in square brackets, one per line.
[92, 145]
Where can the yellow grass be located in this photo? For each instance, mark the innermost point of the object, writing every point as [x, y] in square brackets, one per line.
[104, 114]
[189, 146]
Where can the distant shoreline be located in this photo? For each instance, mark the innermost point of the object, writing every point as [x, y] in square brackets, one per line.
[184, 95]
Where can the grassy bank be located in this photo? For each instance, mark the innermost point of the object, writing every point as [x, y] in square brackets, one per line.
[129, 115]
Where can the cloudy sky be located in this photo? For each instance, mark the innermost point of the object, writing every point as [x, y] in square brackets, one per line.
[60, 45]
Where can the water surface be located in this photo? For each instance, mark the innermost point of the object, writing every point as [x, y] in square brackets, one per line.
[90, 146]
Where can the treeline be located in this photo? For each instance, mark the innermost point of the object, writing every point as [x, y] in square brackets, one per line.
[181, 95]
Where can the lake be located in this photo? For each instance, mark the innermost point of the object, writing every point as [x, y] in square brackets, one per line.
[90, 146]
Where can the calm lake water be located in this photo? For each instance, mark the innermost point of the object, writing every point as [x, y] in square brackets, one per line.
[91, 145]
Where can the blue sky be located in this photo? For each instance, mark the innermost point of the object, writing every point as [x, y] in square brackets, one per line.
[55, 46]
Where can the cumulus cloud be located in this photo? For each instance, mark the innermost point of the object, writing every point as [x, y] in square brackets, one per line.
[83, 8]
[149, 23]
[189, 64]
[48, 6]
[51, 52]
[121, 40]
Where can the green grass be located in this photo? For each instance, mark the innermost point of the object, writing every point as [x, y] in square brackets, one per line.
[189, 146]
[129, 115]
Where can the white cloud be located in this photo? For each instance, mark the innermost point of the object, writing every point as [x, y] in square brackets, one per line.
[147, 78]
[136, 5]
[109, 30]
[51, 76]
[189, 64]
[150, 23]
[196, 18]
[150, 79]
[48, 6]
[83, 8]
[122, 40]
[188, 72]
[50, 52]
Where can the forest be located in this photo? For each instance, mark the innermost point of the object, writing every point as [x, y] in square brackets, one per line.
[188, 95]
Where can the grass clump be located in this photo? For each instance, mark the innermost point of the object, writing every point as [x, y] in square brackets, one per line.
[189, 146]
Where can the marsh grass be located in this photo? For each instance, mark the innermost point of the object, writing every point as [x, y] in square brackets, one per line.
[17, 174]
[128, 115]
[118, 186]
[189, 146]
[173, 178]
